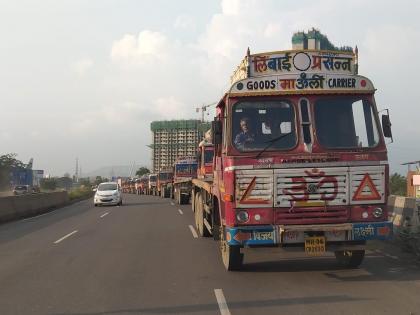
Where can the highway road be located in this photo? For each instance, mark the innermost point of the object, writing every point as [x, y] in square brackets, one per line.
[144, 258]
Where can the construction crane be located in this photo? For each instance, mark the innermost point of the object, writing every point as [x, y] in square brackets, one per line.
[203, 108]
[412, 163]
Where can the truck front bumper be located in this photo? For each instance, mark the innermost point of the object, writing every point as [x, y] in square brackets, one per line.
[282, 235]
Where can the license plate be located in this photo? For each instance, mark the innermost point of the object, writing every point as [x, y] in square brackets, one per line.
[315, 245]
[264, 236]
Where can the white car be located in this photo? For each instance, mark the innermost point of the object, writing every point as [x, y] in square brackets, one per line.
[108, 194]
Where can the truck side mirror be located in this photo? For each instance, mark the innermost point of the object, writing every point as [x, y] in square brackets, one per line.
[386, 126]
[216, 130]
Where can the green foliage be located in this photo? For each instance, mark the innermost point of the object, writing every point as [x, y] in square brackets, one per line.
[100, 179]
[85, 182]
[81, 192]
[7, 163]
[48, 183]
[398, 185]
[142, 171]
[64, 183]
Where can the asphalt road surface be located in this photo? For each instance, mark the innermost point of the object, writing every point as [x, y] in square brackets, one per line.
[144, 258]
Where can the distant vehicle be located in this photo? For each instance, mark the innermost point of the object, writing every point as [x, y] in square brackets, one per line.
[36, 189]
[108, 193]
[21, 190]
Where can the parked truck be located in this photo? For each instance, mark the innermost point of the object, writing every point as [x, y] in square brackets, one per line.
[152, 182]
[300, 160]
[185, 170]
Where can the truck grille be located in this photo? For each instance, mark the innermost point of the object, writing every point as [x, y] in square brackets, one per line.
[311, 187]
[254, 188]
[311, 215]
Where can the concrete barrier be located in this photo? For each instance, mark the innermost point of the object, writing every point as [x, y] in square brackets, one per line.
[15, 207]
[403, 212]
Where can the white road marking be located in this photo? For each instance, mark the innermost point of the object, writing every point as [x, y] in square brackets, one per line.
[172, 204]
[180, 211]
[38, 216]
[194, 233]
[106, 213]
[220, 297]
[391, 256]
[65, 236]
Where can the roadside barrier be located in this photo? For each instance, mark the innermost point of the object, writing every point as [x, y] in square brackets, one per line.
[16, 207]
[405, 214]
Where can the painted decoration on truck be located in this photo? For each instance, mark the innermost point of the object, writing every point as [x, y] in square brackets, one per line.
[304, 82]
[296, 62]
[366, 190]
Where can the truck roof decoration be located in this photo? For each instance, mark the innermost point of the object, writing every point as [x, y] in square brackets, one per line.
[302, 70]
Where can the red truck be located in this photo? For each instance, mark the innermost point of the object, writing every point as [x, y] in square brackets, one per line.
[185, 170]
[300, 161]
[164, 182]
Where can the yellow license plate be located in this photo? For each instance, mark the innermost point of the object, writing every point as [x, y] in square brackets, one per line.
[315, 245]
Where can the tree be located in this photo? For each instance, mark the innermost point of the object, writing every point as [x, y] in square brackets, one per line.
[142, 171]
[48, 183]
[8, 162]
[398, 185]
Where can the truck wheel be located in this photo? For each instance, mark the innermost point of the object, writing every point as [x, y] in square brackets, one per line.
[350, 258]
[185, 199]
[199, 212]
[231, 255]
[179, 197]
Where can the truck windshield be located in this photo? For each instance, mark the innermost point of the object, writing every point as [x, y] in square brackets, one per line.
[186, 169]
[165, 176]
[153, 178]
[208, 156]
[256, 123]
[345, 122]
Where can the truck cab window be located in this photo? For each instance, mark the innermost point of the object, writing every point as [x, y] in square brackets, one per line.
[257, 123]
[345, 122]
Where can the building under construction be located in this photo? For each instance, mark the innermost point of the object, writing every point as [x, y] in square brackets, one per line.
[173, 139]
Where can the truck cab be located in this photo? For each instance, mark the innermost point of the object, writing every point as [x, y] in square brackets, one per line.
[300, 158]
[164, 182]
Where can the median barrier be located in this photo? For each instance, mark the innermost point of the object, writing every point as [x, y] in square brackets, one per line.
[16, 207]
[403, 212]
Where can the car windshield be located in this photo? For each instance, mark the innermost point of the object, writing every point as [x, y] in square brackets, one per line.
[21, 187]
[105, 187]
[345, 122]
[257, 123]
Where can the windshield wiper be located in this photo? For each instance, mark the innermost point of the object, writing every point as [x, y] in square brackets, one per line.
[271, 142]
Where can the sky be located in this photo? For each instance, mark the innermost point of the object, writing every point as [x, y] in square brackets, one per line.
[84, 78]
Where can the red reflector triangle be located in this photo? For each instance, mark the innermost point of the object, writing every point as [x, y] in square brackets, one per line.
[366, 190]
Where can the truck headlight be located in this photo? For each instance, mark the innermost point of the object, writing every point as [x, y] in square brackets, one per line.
[242, 216]
[378, 212]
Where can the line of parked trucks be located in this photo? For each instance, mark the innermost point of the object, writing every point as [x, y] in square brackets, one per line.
[297, 160]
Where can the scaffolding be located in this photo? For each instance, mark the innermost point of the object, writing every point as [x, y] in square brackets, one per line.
[175, 138]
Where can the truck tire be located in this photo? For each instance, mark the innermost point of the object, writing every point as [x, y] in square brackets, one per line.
[185, 199]
[351, 258]
[193, 200]
[231, 255]
[199, 214]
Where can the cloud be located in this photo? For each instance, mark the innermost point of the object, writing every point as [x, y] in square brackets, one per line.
[82, 66]
[146, 47]
[184, 22]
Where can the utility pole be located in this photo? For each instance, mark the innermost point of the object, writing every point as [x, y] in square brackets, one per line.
[76, 174]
